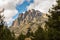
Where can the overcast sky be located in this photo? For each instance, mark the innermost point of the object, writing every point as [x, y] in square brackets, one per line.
[14, 7]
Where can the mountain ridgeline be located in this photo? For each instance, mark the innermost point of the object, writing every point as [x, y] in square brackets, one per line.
[29, 20]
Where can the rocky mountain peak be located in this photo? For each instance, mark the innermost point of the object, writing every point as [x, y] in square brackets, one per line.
[28, 20]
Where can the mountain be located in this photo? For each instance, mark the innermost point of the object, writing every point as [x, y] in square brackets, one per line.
[29, 20]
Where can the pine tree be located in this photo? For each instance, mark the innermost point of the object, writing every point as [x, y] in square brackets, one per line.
[21, 37]
[53, 23]
[1, 24]
[5, 33]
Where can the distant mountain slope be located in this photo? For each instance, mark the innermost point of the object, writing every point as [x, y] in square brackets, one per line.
[30, 19]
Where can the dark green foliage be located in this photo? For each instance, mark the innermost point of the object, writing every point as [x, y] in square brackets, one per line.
[53, 34]
[53, 23]
[5, 33]
[29, 33]
[21, 37]
[1, 31]
[39, 34]
[54, 19]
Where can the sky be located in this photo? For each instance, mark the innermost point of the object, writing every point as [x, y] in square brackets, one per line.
[12, 8]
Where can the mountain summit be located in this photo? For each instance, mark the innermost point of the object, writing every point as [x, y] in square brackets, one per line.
[28, 20]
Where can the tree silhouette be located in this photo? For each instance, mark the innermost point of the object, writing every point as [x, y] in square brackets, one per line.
[53, 23]
[1, 24]
[5, 33]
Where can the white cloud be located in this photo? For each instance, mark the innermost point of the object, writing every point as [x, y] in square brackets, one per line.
[10, 13]
[42, 5]
[9, 8]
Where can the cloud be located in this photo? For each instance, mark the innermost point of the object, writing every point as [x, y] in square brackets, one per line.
[10, 8]
[42, 5]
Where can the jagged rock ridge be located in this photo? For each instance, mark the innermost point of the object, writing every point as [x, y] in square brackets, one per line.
[30, 19]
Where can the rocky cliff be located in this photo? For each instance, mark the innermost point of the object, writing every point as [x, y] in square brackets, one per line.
[29, 20]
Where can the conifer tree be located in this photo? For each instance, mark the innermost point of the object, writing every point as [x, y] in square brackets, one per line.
[21, 37]
[5, 33]
[1, 24]
[53, 23]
